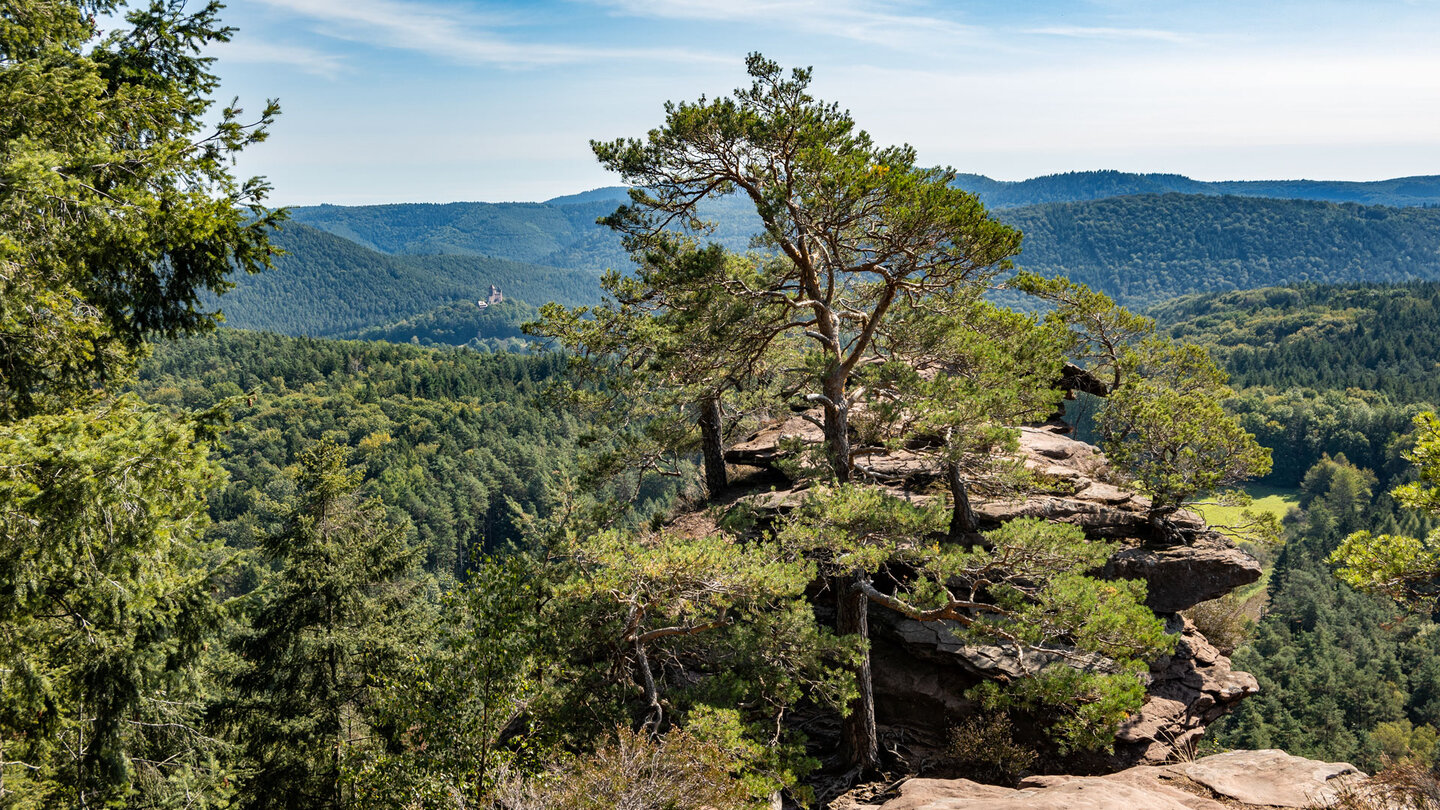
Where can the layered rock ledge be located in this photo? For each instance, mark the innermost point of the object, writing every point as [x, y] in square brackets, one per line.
[922, 669]
[1247, 780]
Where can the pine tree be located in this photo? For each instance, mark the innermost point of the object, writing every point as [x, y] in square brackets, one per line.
[859, 230]
[330, 626]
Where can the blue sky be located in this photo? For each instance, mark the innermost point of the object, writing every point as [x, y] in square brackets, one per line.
[442, 100]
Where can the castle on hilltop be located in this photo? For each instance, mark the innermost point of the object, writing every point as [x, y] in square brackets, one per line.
[494, 297]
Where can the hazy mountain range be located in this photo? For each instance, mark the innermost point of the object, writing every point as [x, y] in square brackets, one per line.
[1139, 237]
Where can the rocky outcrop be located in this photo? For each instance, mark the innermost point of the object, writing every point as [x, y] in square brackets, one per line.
[921, 670]
[1239, 779]
[1074, 488]
[1188, 690]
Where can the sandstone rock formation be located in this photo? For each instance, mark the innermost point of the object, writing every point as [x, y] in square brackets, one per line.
[921, 670]
[1239, 779]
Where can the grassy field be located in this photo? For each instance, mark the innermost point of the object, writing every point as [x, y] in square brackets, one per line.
[1267, 500]
[1272, 500]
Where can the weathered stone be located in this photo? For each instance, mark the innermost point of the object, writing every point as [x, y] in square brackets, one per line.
[1271, 778]
[922, 670]
[1188, 690]
[1179, 577]
[1077, 793]
[1239, 779]
[764, 447]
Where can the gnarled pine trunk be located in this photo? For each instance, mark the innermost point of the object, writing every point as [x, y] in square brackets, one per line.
[859, 739]
[962, 516]
[712, 445]
[837, 427]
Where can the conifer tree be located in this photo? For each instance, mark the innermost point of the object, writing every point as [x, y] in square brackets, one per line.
[118, 212]
[329, 627]
[669, 347]
[1082, 644]
[860, 228]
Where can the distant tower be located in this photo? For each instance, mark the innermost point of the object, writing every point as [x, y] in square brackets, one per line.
[495, 296]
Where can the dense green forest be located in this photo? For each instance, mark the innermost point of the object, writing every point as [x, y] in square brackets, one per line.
[246, 569]
[1344, 676]
[1371, 336]
[521, 232]
[559, 233]
[326, 285]
[1330, 377]
[1095, 185]
[1139, 249]
[456, 441]
[1321, 369]
[1146, 248]
[495, 327]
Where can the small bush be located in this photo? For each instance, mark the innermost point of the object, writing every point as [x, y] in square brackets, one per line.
[1226, 622]
[1399, 787]
[634, 772]
[983, 748]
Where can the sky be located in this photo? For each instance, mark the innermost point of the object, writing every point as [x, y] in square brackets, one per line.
[496, 100]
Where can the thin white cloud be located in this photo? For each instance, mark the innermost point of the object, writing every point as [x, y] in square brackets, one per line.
[318, 63]
[1215, 100]
[456, 36]
[862, 20]
[1100, 32]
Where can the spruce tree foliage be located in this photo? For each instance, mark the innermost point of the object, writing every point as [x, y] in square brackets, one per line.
[106, 606]
[454, 712]
[335, 620]
[118, 206]
[118, 212]
[860, 228]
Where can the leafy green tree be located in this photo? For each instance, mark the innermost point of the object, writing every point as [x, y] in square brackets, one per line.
[968, 373]
[1102, 331]
[335, 621]
[1401, 567]
[860, 228]
[673, 337]
[691, 625]
[1083, 643]
[1166, 427]
[447, 709]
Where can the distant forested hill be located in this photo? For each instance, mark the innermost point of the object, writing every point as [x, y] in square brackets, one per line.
[1140, 249]
[1322, 369]
[561, 233]
[326, 285]
[1371, 336]
[523, 232]
[1083, 186]
[496, 327]
[1095, 185]
[1151, 247]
